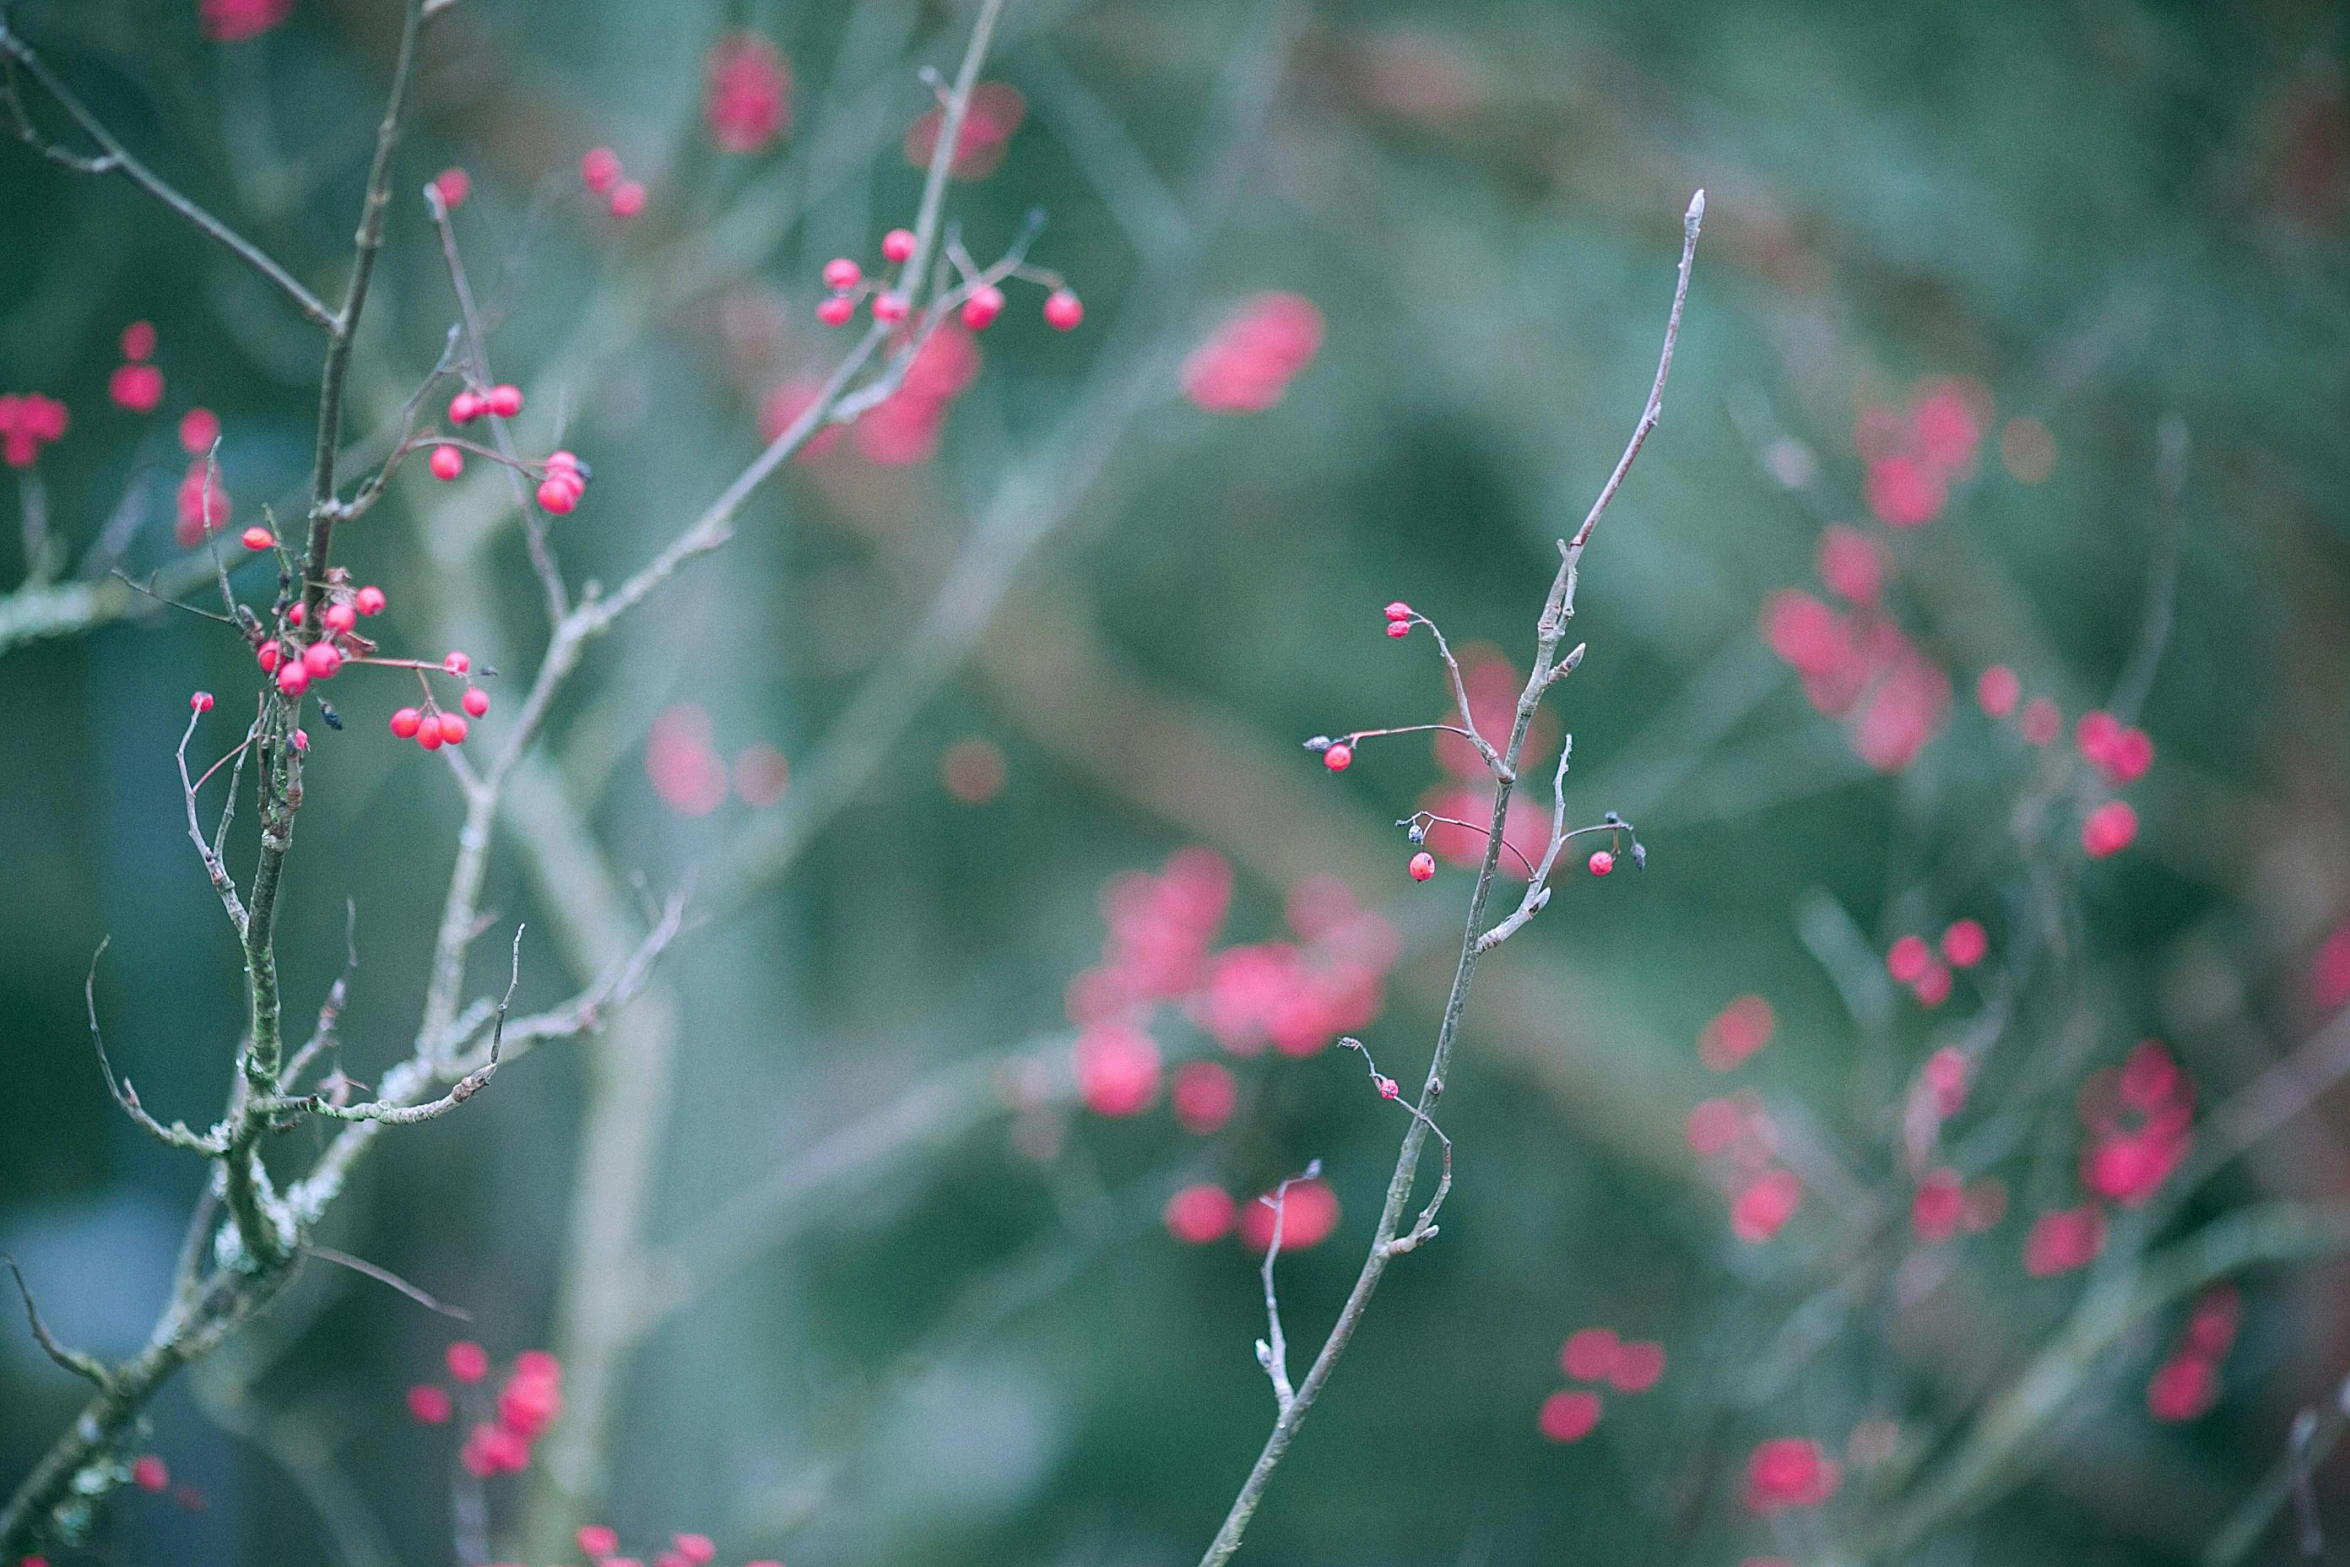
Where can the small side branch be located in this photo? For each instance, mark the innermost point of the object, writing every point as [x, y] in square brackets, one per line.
[1424, 1227]
[383, 1275]
[1273, 1350]
[114, 158]
[214, 867]
[1690, 222]
[89, 1367]
[175, 1135]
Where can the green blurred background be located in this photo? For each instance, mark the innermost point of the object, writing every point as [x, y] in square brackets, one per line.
[990, 1350]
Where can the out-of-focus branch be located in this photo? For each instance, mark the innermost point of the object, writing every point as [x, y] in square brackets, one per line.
[114, 158]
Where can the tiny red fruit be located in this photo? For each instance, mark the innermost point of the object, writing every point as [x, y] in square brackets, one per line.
[428, 732]
[293, 677]
[453, 729]
[1399, 610]
[841, 274]
[599, 169]
[837, 310]
[466, 407]
[1602, 862]
[557, 497]
[898, 244]
[505, 401]
[1063, 310]
[889, 309]
[201, 701]
[477, 701]
[452, 186]
[1423, 865]
[457, 663]
[1339, 757]
[149, 1473]
[1389, 1088]
[1399, 628]
[258, 538]
[323, 660]
[268, 655]
[340, 617]
[369, 601]
[598, 1540]
[301, 739]
[446, 462]
[138, 340]
[628, 199]
[984, 305]
[406, 722]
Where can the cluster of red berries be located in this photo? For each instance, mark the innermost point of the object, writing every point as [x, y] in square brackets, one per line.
[2187, 1384]
[503, 1429]
[1597, 1355]
[432, 728]
[1063, 310]
[136, 384]
[1911, 962]
[2119, 753]
[29, 421]
[1308, 1211]
[601, 173]
[565, 482]
[297, 665]
[601, 1543]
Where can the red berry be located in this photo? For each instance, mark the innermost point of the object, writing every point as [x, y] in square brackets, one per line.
[293, 677]
[2110, 828]
[135, 387]
[1389, 1088]
[429, 1405]
[323, 660]
[268, 654]
[695, 1548]
[1965, 943]
[628, 199]
[562, 462]
[406, 722]
[201, 701]
[446, 462]
[452, 186]
[599, 169]
[1423, 865]
[258, 538]
[369, 601]
[138, 340]
[453, 729]
[149, 1474]
[477, 701]
[468, 1361]
[301, 739]
[889, 309]
[984, 305]
[428, 732]
[340, 617]
[837, 310]
[841, 274]
[457, 664]
[598, 1540]
[298, 613]
[505, 401]
[1399, 628]
[557, 497]
[1602, 862]
[1063, 310]
[1338, 757]
[1908, 959]
[1399, 610]
[466, 407]
[898, 244]
[199, 428]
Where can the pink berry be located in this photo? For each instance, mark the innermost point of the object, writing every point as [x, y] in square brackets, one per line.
[452, 186]
[889, 309]
[340, 617]
[429, 1405]
[453, 729]
[984, 305]
[1398, 610]
[898, 244]
[1965, 943]
[199, 428]
[504, 401]
[557, 497]
[562, 462]
[598, 1540]
[428, 735]
[149, 1473]
[1339, 757]
[1908, 959]
[468, 1361]
[2109, 829]
[837, 310]
[1423, 865]
[841, 274]
[293, 677]
[1602, 862]
[695, 1548]
[1063, 310]
[446, 463]
[298, 613]
[457, 664]
[201, 701]
[599, 169]
[628, 199]
[301, 739]
[369, 601]
[138, 340]
[323, 659]
[406, 722]
[268, 655]
[258, 538]
[1399, 628]
[477, 701]
[1389, 1088]
[466, 407]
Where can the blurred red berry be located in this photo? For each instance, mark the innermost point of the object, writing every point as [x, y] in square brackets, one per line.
[405, 722]
[468, 1361]
[446, 462]
[597, 1540]
[504, 401]
[984, 305]
[898, 245]
[1965, 943]
[890, 308]
[2041, 721]
[841, 274]
[1998, 690]
[1637, 1367]
[1063, 310]
[1589, 1354]
[599, 169]
[2109, 829]
[452, 186]
[628, 199]
[429, 1405]
[138, 340]
[149, 1473]
[476, 701]
[837, 310]
[368, 601]
[1309, 1215]
[1568, 1415]
[137, 388]
[1908, 959]
[1204, 1095]
[1197, 1215]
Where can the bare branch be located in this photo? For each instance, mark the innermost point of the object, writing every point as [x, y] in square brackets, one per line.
[383, 1275]
[214, 867]
[115, 159]
[175, 1135]
[1690, 222]
[89, 1367]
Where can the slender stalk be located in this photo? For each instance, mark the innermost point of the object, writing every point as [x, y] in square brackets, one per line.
[1386, 1244]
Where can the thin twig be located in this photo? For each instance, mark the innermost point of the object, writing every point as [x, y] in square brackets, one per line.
[383, 1275]
[175, 1135]
[89, 1367]
[1273, 1350]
